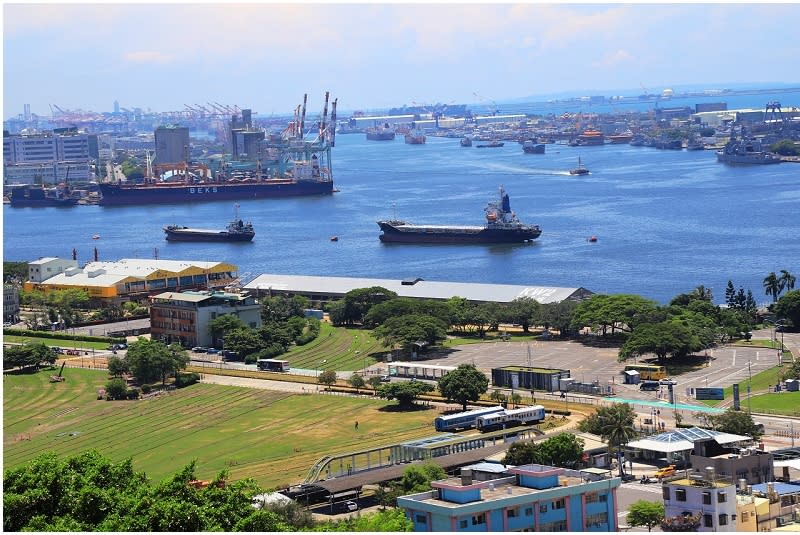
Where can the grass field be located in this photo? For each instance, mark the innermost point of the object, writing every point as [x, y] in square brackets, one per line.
[66, 343]
[273, 437]
[342, 348]
[776, 403]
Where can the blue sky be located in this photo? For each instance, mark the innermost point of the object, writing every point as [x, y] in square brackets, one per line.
[265, 56]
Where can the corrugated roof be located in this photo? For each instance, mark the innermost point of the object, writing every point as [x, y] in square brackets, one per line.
[684, 439]
[500, 293]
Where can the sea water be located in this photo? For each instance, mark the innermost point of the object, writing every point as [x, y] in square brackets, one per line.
[665, 221]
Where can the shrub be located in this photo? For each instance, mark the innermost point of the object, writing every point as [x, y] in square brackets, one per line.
[186, 379]
[146, 389]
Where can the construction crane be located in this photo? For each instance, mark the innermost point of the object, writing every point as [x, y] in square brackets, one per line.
[493, 109]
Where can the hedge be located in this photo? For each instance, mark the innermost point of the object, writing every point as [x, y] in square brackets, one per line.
[62, 336]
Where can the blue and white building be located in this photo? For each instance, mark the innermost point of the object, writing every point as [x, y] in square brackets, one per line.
[524, 498]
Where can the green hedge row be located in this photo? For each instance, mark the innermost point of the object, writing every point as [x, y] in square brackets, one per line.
[62, 336]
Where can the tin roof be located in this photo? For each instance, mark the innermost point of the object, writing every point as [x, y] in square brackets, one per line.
[500, 293]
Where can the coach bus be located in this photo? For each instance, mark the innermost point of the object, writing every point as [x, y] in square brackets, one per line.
[651, 372]
[273, 365]
[462, 420]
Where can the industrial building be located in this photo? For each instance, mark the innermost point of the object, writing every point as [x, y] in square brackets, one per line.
[62, 155]
[324, 289]
[172, 144]
[128, 279]
[184, 317]
[524, 498]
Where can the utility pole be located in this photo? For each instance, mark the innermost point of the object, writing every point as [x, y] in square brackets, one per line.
[749, 395]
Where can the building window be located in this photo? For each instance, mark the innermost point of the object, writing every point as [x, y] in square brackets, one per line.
[558, 504]
[596, 521]
[462, 524]
[706, 498]
[543, 508]
[591, 497]
[708, 521]
[513, 513]
[721, 497]
[680, 495]
[529, 511]
[478, 519]
[421, 519]
[603, 498]
[665, 493]
[559, 525]
[723, 519]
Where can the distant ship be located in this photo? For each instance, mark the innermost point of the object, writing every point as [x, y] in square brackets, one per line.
[531, 147]
[618, 139]
[491, 144]
[415, 137]
[746, 151]
[381, 133]
[466, 141]
[236, 231]
[502, 226]
[580, 170]
[38, 197]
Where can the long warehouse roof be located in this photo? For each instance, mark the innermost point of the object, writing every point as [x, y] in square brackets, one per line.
[499, 293]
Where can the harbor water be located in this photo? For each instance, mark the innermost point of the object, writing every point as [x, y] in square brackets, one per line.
[665, 221]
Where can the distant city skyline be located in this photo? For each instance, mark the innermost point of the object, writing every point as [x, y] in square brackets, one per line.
[265, 56]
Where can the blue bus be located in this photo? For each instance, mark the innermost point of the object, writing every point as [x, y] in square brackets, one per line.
[462, 420]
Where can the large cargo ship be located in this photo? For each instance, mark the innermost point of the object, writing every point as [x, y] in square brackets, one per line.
[502, 226]
[381, 133]
[39, 197]
[287, 165]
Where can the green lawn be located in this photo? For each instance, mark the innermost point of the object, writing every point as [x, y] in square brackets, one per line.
[761, 381]
[787, 403]
[66, 343]
[274, 437]
[340, 347]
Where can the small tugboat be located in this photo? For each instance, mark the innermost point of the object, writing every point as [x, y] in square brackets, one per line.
[502, 226]
[580, 170]
[236, 231]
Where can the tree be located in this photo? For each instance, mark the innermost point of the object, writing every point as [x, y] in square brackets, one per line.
[465, 383]
[28, 355]
[356, 381]
[418, 477]
[522, 311]
[220, 326]
[564, 450]
[327, 378]
[616, 426]
[374, 382]
[279, 309]
[116, 388]
[736, 423]
[150, 360]
[117, 366]
[772, 286]
[603, 312]
[665, 338]
[411, 328]
[405, 392]
[730, 295]
[788, 307]
[786, 280]
[644, 513]
[243, 341]
[515, 398]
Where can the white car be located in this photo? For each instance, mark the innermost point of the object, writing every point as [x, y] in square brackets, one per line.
[351, 505]
[668, 382]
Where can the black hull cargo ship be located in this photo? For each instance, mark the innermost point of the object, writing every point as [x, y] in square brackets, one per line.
[502, 226]
[237, 231]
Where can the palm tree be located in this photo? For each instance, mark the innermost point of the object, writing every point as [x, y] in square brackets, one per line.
[786, 281]
[772, 286]
[616, 426]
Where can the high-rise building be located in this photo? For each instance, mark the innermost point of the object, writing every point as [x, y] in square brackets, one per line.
[172, 144]
[47, 157]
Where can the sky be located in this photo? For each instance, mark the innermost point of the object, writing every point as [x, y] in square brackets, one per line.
[266, 56]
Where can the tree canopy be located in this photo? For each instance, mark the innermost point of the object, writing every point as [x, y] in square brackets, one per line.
[736, 422]
[405, 331]
[564, 450]
[151, 360]
[615, 312]
[465, 383]
[28, 355]
[645, 513]
[788, 307]
[405, 392]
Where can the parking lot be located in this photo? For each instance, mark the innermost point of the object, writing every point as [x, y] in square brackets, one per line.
[725, 365]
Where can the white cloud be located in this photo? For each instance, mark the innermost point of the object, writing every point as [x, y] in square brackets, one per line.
[614, 58]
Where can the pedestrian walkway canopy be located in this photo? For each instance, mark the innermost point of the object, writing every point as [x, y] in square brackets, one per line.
[684, 440]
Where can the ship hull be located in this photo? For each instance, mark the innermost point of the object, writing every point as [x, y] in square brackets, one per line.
[118, 195]
[380, 136]
[42, 203]
[392, 234]
[741, 159]
[211, 236]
